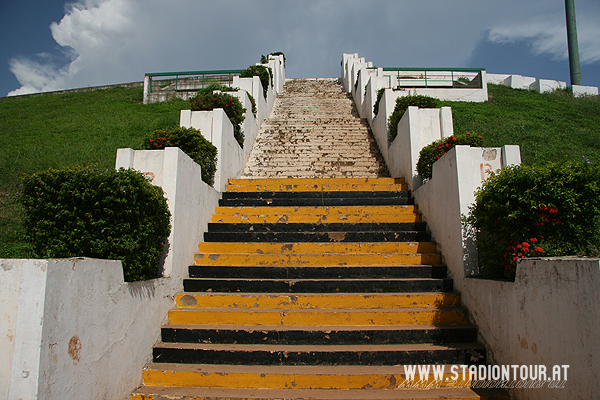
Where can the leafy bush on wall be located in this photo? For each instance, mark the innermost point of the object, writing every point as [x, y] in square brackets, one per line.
[531, 210]
[230, 104]
[191, 142]
[264, 73]
[82, 212]
[434, 151]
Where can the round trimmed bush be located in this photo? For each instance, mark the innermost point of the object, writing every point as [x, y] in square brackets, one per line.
[402, 103]
[82, 212]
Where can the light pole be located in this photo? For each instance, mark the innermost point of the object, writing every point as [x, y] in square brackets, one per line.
[572, 42]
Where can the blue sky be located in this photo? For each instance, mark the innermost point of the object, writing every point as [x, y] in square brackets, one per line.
[51, 44]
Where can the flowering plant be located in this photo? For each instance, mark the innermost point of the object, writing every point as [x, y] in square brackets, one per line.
[526, 211]
[434, 151]
[229, 103]
[191, 142]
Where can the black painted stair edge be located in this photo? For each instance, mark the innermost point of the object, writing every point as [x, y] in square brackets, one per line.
[474, 354]
[318, 286]
[318, 272]
[318, 227]
[318, 237]
[445, 334]
[317, 195]
[299, 202]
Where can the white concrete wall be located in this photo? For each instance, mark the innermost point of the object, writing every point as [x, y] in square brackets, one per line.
[548, 316]
[253, 86]
[215, 126]
[579, 91]
[546, 85]
[417, 128]
[74, 329]
[449, 193]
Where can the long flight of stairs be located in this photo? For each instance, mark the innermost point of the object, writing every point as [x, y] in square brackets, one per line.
[313, 289]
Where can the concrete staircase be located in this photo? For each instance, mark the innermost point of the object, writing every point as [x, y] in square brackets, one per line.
[314, 288]
[314, 131]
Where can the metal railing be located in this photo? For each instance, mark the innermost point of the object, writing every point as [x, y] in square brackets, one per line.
[189, 81]
[436, 78]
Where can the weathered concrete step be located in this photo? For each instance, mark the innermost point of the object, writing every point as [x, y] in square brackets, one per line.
[319, 335]
[286, 237]
[336, 380]
[314, 218]
[317, 181]
[372, 354]
[318, 272]
[316, 300]
[317, 259]
[286, 185]
[388, 285]
[351, 195]
[316, 248]
[185, 393]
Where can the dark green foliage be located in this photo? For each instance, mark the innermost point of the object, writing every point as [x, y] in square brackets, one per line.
[264, 73]
[279, 53]
[434, 151]
[230, 104]
[191, 142]
[380, 93]
[548, 210]
[107, 214]
[402, 103]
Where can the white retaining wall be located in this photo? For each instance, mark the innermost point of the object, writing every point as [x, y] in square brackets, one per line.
[74, 329]
[548, 316]
[539, 85]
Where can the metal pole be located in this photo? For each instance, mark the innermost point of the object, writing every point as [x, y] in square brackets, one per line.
[572, 41]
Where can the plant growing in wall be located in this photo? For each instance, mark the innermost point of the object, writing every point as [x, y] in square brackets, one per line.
[402, 103]
[532, 210]
[264, 73]
[230, 104]
[434, 151]
[380, 93]
[191, 142]
[107, 214]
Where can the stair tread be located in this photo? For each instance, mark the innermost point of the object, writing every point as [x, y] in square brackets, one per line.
[323, 394]
[316, 348]
[320, 328]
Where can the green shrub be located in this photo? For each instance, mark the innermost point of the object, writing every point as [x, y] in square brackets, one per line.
[82, 212]
[191, 142]
[434, 151]
[264, 73]
[230, 104]
[402, 103]
[380, 93]
[535, 210]
[279, 53]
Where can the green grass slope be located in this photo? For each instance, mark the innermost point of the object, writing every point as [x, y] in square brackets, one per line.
[57, 130]
[548, 127]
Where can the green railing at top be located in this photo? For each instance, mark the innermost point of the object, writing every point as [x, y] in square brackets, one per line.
[189, 80]
[431, 78]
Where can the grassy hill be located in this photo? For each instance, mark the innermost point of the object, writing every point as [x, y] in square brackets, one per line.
[55, 130]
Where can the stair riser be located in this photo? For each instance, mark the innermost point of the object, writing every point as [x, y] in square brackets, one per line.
[320, 237]
[404, 272]
[329, 337]
[334, 227]
[316, 195]
[310, 286]
[326, 182]
[313, 219]
[355, 210]
[317, 318]
[315, 188]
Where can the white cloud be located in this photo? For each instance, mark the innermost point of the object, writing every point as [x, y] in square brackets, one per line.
[547, 34]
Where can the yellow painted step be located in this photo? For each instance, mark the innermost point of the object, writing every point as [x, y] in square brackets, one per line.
[339, 317]
[314, 219]
[316, 248]
[184, 393]
[285, 377]
[331, 259]
[316, 301]
[317, 210]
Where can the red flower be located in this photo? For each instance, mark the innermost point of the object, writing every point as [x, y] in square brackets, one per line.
[453, 138]
[538, 249]
[151, 141]
[447, 145]
[468, 134]
[533, 240]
